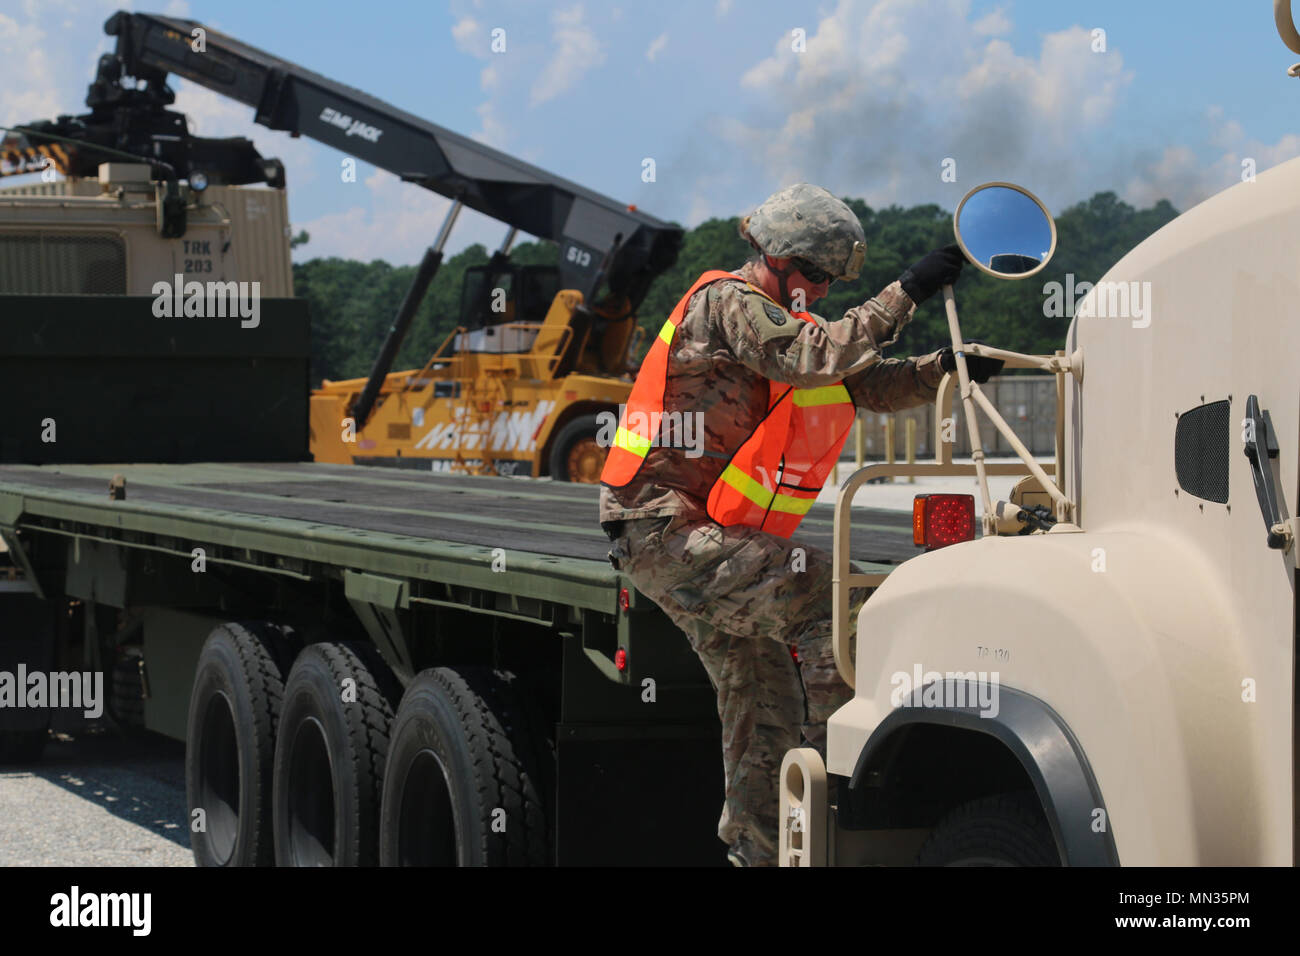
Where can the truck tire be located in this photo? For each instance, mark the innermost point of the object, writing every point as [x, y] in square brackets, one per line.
[575, 454]
[329, 757]
[1003, 830]
[230, 743]
[469, 775]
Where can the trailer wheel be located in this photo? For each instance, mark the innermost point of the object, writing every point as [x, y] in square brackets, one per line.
[329, 757]
[1003, 830]
[469, 774]
[576, 455]
[229, 743]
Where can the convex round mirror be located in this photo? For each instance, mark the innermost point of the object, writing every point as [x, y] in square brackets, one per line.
[1004, 230]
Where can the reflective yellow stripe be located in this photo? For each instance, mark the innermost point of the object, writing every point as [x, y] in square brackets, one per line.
[827, 395]
[747, 486]
[631, 441]
[666, 333]
[755, 492]
[791, 505]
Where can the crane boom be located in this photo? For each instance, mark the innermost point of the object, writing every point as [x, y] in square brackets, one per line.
[598, 237]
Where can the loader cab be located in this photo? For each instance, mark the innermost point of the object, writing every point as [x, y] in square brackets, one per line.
[502, 305]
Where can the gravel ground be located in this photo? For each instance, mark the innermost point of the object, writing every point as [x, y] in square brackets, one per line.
[97, 799]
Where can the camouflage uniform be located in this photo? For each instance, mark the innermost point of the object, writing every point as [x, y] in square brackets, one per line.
[736, 591]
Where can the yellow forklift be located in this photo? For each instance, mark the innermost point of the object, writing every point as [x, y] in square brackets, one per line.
[538, 352]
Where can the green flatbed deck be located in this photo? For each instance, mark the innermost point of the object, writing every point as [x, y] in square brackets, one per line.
[417, 525]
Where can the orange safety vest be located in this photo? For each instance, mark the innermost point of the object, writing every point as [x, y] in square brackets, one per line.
[774, 477]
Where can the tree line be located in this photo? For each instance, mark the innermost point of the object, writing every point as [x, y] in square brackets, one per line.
[353, 303]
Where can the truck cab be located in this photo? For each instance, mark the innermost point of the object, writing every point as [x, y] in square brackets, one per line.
[1119, 688]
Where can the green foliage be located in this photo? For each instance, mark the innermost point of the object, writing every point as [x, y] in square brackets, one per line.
[353, 304]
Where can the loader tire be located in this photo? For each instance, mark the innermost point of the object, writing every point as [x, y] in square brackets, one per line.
[576, 455]
[1003, 830]
[469, 775]
[230, 743]
[330, 755]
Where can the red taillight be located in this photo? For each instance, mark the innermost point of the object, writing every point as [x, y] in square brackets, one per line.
[941, 520]
[624, 599]
[620, 659]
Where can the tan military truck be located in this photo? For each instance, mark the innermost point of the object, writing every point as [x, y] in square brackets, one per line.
[1107, 674]
[101, 236]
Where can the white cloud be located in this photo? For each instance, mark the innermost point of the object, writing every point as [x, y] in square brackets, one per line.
[1181, 176]
[391, 220]
[889, 88]
[656, 47]
[723, 8]
[468, 34]
[994, 23]
[576, 52]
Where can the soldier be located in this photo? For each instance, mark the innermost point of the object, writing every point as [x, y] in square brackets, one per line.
[704, 530]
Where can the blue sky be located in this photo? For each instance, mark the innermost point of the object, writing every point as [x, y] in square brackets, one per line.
[880, 95]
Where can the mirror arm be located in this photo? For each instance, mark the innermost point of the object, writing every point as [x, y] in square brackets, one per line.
[1047, 363]
[972, 394]
[1018, 446]
[968, 403]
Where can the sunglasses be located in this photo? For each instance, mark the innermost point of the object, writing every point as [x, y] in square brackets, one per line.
[811, 272]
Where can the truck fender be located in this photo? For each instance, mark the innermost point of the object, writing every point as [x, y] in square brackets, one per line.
[1044, 746]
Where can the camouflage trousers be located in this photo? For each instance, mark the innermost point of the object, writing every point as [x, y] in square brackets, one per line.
[745, 598]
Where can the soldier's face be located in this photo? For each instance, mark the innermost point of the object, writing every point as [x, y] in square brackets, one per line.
[795, 280]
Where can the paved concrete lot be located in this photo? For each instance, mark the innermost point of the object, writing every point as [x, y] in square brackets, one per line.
[97, 799]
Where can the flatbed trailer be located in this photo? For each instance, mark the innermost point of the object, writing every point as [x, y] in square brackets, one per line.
[501, 576]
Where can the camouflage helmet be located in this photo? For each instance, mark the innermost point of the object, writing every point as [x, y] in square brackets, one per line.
[807, 222]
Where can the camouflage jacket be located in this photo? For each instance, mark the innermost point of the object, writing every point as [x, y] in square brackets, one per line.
[731, 342]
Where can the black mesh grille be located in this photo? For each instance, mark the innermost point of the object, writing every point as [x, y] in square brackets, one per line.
[72, 264]
[1201, 444]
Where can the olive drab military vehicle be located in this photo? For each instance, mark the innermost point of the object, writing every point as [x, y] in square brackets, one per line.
[1106, 674]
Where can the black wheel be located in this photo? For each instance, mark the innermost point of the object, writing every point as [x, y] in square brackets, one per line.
[576, 455]
[27, 639]
[329, 757]
[230, 742]
[469, 775]
[1004, 830]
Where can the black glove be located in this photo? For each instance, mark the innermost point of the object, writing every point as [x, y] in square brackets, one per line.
[932, 273]
[980, 367]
